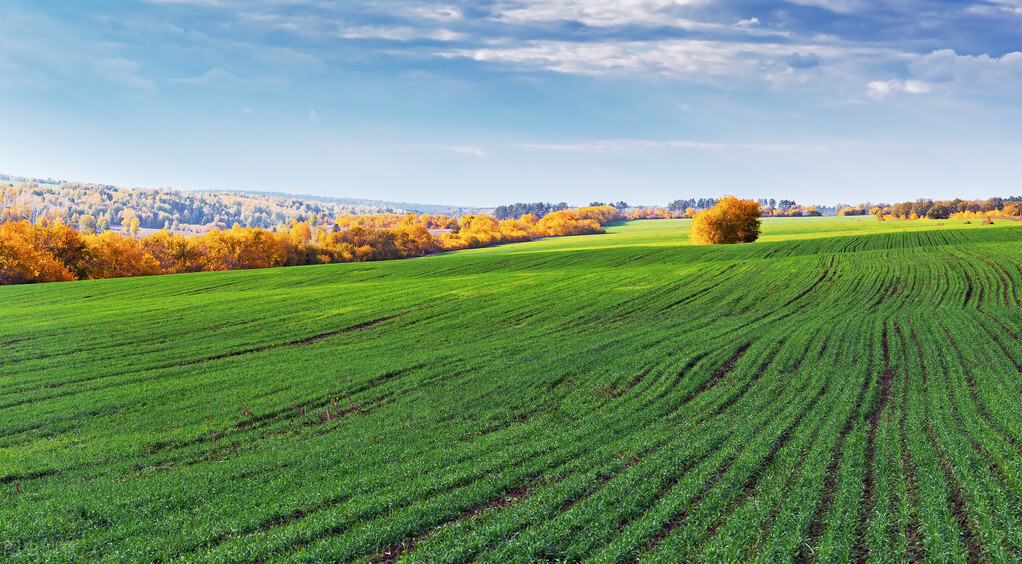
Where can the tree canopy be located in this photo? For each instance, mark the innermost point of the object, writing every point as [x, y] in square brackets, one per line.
[731, 220]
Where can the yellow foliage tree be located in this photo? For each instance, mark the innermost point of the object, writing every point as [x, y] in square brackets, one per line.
[54, 251]
[301, 233]
[114, 256]
[730, 221]
[21, 260]
[174, 253]
[515, 230]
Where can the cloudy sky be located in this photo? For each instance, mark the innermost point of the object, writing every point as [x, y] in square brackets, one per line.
[490, 102]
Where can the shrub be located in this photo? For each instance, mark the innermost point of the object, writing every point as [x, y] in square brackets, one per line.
[730, 221]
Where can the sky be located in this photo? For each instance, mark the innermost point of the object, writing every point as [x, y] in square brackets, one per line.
[491, 102]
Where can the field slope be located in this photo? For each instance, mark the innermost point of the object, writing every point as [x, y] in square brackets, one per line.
[839, 390]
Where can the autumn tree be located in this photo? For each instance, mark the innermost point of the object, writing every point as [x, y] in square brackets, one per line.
[413, 240]
[65, 244]
[133, 226]
[22, 260]
[51, 250]
[567, 222]
[515, 230]
[87, 224]
[939, 210]
[114, 256]
[479, 230]
[174, 253]
[301, 233]
[731, 220]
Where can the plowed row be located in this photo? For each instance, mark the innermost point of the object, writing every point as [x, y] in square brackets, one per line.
[838, 391]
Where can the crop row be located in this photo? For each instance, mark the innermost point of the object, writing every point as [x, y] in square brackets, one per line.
[607, 398]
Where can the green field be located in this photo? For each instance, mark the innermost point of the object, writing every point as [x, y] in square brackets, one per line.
[842, 389]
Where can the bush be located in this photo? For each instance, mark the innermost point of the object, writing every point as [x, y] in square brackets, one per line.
[730, 221]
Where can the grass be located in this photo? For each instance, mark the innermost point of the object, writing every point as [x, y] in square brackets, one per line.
[840, 389]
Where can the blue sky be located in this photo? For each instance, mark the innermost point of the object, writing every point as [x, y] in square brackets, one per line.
[491, 102]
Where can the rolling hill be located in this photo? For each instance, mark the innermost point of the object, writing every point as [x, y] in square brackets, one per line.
[841, 389]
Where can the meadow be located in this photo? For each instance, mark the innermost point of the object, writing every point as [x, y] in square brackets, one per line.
[842, 389]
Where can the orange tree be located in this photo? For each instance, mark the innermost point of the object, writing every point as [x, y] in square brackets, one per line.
[730, 221]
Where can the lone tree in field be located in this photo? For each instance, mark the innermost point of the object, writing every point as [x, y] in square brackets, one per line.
[730, 221]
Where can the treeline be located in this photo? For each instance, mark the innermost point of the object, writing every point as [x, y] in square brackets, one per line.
[97, 207]
[939, 209]
[538, 209]
[654, 212]
[674, 210]
[53, 251]
[773, 207]
[698, 204]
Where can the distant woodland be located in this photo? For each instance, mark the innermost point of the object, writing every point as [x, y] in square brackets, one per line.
[939, 209]
[97, 207]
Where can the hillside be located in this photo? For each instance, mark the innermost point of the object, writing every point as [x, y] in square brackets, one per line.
[163, 208]
[382, 205]
[838, 389]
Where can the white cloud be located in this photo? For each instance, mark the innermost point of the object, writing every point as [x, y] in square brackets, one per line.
[916, 87]
[839, 6]
[696, 59]
[997, 7]
[950, 72]
[971, 71]
[705, 61]
[299, 24]
[438, 12]
[313, 116]
[746, 23]
[400, 33]
[878, 90]
[601, 13]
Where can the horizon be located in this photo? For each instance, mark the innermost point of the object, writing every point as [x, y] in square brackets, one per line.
[489, 103]
[837, 204]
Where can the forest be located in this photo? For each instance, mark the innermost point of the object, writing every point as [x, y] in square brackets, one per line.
[97, 207]
[52, 251]
[939, 209]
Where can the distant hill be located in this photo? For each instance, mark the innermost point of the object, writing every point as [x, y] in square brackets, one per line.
[444, 209]
[24, 198]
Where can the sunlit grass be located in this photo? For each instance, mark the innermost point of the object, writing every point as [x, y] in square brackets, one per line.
[833, 386]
